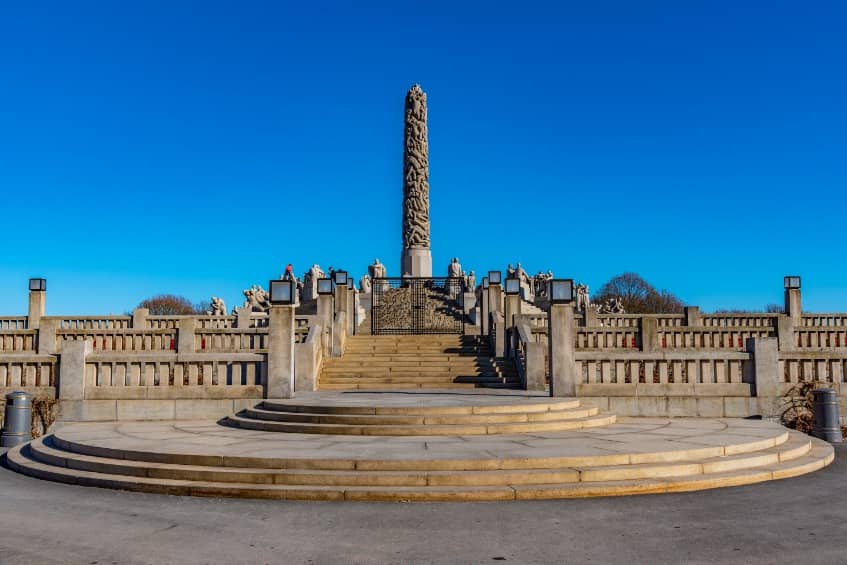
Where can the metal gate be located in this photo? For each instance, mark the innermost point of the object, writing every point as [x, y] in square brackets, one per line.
[417, 305]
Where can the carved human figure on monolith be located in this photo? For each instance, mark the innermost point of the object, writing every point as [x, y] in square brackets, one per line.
[416, 257]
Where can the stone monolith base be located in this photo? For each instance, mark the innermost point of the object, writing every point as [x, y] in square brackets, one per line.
[416, 262]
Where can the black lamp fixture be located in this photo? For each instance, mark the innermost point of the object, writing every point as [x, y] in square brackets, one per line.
[340, 278]
[561, 291]
[494, 277]
[485, 283]
[350, 283]
[513, 286]
[283, 292]
[325, 286]
[39, 285]
[792, 282]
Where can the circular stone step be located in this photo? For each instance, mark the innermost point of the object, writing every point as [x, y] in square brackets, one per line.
[636, 455]
[424, 414]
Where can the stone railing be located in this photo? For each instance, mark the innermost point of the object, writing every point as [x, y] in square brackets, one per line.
[739, 320]
[828, 367]
[823, 320]
[710, 337]
[613, 337]
[530, 355]
[308, 360]
[13, 323]
[18, 341]
[820, 337]
[92, 322]
[123, 340]
[27, 372]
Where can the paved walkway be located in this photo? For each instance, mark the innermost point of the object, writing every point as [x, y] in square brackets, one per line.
[802, 520]
[218, 444]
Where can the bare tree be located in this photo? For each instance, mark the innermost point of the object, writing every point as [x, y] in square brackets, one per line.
[638, 296]
[168, 305]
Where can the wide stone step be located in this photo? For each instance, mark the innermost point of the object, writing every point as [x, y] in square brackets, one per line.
[795, 457]
[495, 405]
[412, 419]
[241, 421]
[45, 453]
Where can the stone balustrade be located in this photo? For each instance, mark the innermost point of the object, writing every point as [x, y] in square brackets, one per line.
[823, 320]
[820, 337]
[13, 323]
[18, 341]
[92, 322]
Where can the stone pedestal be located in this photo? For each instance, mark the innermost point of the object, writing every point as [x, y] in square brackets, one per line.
[563, 377]
[280, 352]
[765, 357]
[72, 370]
[416, 262]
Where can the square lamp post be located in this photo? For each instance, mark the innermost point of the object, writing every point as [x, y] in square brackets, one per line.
[561, 291]
[340, 278]
[513, 287]
[283, 292]
[484, 283]
[325, 286]
[792, 282]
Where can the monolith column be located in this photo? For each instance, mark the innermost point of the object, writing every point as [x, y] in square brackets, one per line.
[416, 258]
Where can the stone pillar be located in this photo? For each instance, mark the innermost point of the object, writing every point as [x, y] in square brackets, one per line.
[793, 303]
[692, 316]
[185, 335]
[325, 315]
[785, 332]
[341, 299]
[280, 352]
[352, 311]
[589, 318]
[483, 313]
[416, 256]
[139, 318]
[72, 370]
[512, 307]
[495, 298]
[47, 336]
[339, 333]
[242, 317]
[535, 366]
[468, 304]
[497, 335]
[563, 377]
[649, 334]
[764, 352]
[37, 308]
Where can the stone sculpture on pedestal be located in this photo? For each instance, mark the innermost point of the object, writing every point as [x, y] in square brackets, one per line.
[218, 307]
[454, 269]
[365, 284]
[416, 257]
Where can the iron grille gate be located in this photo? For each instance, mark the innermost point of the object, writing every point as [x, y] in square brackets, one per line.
[417, 305]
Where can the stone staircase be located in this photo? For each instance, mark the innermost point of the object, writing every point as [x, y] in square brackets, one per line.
[632, 456]
[416, 361]
[294, 417]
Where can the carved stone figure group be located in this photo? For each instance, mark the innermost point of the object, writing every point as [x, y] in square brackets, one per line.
[415, 172]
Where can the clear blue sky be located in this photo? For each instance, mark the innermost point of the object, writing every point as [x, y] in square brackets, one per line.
[197, 147]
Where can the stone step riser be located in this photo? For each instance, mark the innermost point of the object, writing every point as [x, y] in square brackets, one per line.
[52, 456]
[422, 430]
[509, 418]
[523, 408]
